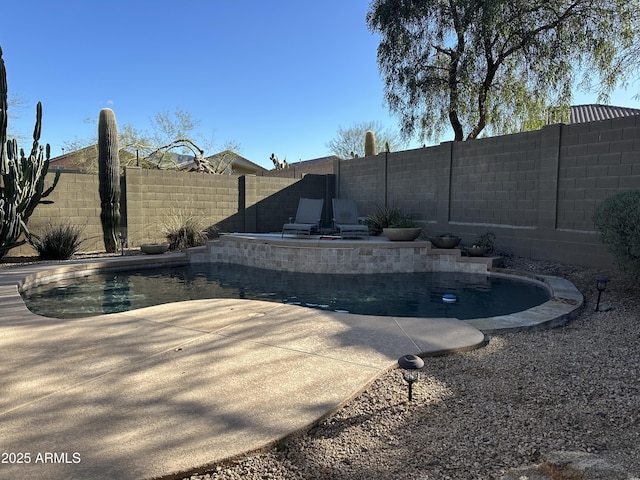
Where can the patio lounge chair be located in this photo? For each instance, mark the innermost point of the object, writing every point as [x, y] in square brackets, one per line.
[307, 218]
[346, 221]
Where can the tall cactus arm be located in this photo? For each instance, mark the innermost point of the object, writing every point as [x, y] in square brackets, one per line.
[109, 178]
[3, 115]
[22, 179]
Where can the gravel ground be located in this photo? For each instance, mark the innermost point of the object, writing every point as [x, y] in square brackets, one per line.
[479, 414]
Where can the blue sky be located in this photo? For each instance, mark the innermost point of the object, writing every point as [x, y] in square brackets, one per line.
[275, 76]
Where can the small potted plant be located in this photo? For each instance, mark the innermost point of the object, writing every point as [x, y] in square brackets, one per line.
[404, 229]
[483, 245]
[382, 217]
[446, 240]
[393, 224]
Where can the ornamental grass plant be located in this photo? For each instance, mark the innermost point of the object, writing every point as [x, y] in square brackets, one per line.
[57, 241]
[185, 230]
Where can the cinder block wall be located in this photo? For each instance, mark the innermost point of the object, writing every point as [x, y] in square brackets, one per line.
[535, 190]
[597, 160]
[76, 201]
[496, 180]
[271, 201]
[424, 193]
[153, 199]
[156, 198]
[228, 202]
[363, 180]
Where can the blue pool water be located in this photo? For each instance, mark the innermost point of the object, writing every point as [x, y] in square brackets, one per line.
[399, 294]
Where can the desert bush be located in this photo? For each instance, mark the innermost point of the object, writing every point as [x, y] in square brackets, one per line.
[383, 217]
[57, 241]
[404, 222]
[486, 240]
[185, 230]
[617, 220]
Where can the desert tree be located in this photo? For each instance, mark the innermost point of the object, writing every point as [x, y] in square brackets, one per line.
[495, 64]
[170, 132]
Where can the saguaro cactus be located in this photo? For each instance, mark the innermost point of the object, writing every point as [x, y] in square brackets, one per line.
[369, 144]
[22, 178]
[109, 178]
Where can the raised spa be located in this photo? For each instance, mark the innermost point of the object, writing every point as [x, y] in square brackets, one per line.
[392, 294]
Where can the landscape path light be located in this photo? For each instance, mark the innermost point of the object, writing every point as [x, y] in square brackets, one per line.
[601, 285]
[411, 365]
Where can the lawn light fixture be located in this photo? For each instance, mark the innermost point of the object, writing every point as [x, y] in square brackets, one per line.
[601, 285]
[410, 364]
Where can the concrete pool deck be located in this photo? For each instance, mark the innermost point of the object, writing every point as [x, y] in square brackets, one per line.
[170, 389]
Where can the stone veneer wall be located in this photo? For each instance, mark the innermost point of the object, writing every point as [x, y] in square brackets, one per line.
[341, 257]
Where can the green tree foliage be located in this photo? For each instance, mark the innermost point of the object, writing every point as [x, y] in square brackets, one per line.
[349, 141]
[617, 220]
[495, 64]
[169, 127]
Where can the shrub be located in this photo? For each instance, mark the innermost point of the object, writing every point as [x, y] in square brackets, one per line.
[404, 222]
[58, 242]
[617, 219]
[486, 240]
[383, 217]
[185, 230]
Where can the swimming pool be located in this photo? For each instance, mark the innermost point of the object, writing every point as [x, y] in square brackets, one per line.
[388, 294]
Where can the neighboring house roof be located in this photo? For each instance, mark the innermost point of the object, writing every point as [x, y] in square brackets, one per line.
[86, 160]
[74, 161]
[595, 112]
[239, 165]
[83, 160]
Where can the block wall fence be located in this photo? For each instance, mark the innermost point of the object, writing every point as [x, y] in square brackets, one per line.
[153, 199]
[535, 190]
